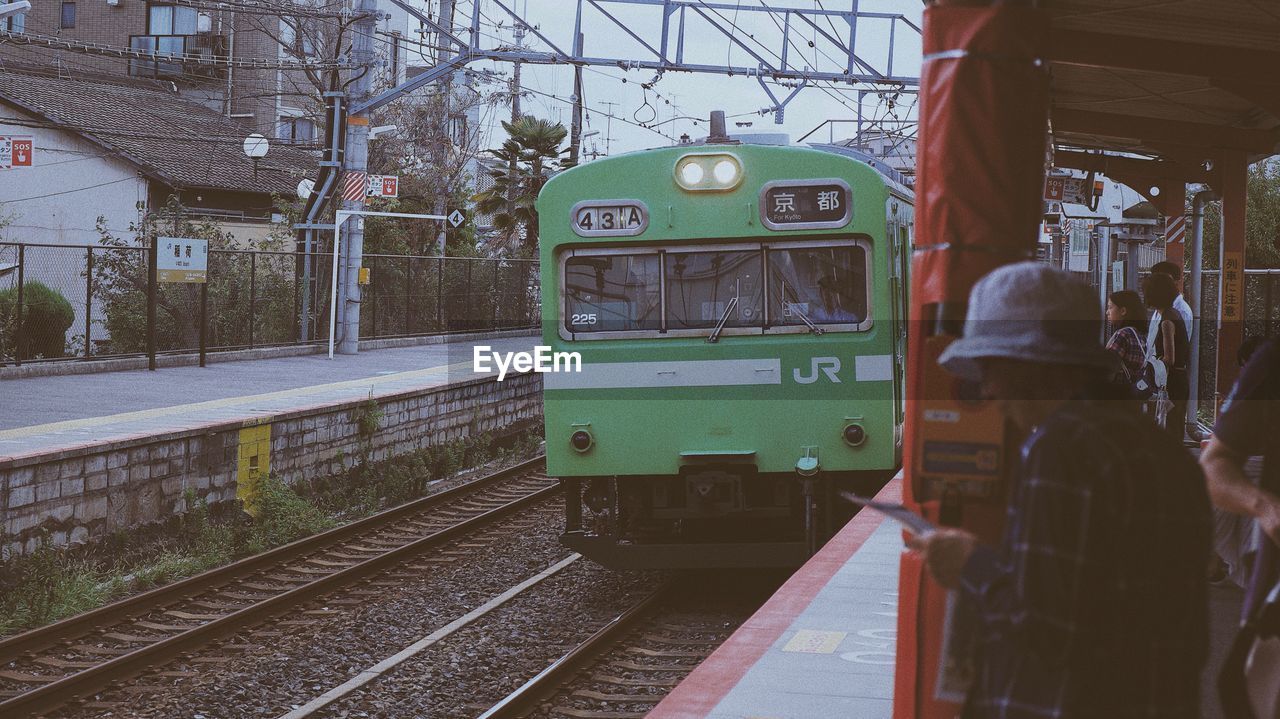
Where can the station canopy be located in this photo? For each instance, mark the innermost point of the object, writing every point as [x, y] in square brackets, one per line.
[1180, 81]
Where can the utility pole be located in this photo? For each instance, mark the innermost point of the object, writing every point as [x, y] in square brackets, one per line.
[515, 74]
[445, 122]
[575, 132]
[357, 160]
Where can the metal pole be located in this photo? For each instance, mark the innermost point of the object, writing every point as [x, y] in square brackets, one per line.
[253, 294]
[440, 294]
[338, 218]
[408, 291]
[1197, 290]
[204, 322]
[153, 285]
[466, 293]
[299, 314]
[496, 268]
[17, 331]
[575, 133]
[88, 302]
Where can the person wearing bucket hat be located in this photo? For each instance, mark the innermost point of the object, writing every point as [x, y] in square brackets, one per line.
[1095, 603]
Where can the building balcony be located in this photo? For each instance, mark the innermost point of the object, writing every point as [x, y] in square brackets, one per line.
[190, 47]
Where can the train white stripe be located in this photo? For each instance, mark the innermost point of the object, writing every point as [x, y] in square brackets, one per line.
[696, 373]
[873, 368]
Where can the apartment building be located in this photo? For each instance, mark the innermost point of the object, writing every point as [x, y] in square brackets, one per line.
[284, 104]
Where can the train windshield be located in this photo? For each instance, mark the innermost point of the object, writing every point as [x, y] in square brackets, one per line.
[743, 288]
[613, 293]
[824, 285]
[702, 285]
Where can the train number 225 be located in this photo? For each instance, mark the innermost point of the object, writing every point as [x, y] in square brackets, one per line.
[583, 318]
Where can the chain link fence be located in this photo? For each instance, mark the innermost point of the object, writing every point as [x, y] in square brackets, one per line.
[91, 302]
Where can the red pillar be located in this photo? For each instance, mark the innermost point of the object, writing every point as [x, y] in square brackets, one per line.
[1231, 260]
[983, 119]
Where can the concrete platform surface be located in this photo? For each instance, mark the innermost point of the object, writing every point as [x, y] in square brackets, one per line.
[43, 414]
[822, 646]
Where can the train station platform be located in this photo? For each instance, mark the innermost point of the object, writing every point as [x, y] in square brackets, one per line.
[823, 646]
[45, 414]
[84, 456]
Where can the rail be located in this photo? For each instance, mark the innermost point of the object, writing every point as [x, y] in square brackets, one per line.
[57, 692]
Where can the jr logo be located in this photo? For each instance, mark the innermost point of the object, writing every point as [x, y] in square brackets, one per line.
[828, 365]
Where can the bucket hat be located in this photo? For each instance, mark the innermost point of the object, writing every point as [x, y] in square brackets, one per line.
[1033, 312]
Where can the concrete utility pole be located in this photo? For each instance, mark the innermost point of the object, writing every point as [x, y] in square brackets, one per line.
[515, 74]
[445, 19]
[357, 160]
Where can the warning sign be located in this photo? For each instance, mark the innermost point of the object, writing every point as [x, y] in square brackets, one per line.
[383, 186]
[182, 259]
[1232, 286]
[17, 151]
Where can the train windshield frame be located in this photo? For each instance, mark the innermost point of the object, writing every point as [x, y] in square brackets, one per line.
[746, 288]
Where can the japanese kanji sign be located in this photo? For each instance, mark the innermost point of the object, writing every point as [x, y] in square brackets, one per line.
[1232, 286]
[383, 186]
[182, 259]
[805, 204]
[16, 151]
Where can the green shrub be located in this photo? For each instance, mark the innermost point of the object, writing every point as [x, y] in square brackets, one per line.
[46, 317]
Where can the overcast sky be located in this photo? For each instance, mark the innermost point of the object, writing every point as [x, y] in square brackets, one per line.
[695, 95]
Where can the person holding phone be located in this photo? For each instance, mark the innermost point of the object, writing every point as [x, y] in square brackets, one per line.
[1094, 604]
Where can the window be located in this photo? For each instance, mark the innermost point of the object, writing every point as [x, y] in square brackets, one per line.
[820, 284]
[612, 293]
[690, 291]
[295, 129]
[171, 20]
[458, 129]
[15, 23]
[701, 287]
[68, 15]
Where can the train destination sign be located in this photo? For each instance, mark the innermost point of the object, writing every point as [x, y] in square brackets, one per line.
[805, 204]
[609, 218]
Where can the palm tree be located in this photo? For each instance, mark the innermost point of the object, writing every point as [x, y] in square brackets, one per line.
[530, 154]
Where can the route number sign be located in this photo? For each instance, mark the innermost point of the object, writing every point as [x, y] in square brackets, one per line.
[609, 218]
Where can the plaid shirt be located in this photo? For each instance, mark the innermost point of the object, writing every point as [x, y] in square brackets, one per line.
[1095, 605]
[1133, 352]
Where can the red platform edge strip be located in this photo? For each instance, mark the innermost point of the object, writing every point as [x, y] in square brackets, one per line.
[702, 690]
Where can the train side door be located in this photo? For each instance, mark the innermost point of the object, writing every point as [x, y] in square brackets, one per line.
[898, 227]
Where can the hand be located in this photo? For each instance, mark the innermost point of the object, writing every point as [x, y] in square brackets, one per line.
[1269, 519]
[945, 553]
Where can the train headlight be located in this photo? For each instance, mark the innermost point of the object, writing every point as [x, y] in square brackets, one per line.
[581, 440]
[725, 172]
[692, 174]
[854, 435]
[708, 172]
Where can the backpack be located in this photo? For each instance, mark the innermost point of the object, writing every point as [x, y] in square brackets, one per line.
[1153, 376]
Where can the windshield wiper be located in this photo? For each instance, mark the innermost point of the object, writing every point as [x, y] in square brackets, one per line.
[728, 310]
[805, 318]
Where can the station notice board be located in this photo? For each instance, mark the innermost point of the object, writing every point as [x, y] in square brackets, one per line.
[182, 259]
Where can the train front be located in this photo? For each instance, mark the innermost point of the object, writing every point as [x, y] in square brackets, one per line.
[734, 308]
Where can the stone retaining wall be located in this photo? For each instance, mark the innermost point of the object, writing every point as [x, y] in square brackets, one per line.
[86, 493]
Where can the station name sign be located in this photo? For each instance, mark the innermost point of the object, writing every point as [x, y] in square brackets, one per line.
[182, 259]
[609, 218]
[806, 204]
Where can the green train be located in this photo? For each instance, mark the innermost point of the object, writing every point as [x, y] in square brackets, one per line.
[739, 313]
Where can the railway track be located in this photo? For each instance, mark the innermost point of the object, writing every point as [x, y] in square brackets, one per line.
[70, 660]
[626, 668]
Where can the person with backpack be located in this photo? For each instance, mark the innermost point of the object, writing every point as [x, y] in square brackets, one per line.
[1172, 346]
[1127, 317]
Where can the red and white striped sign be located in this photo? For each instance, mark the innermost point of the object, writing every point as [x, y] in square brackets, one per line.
[353, 186]
[1175, 229]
